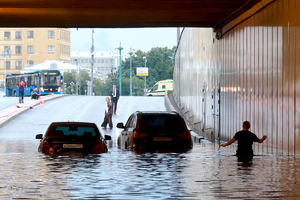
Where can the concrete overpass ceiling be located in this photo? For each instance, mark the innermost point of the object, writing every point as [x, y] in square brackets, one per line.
[120, 13]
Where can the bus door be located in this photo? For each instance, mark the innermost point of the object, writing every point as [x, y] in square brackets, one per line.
[9, 87]
[27, 87]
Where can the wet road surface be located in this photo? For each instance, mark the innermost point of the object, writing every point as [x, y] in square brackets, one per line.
[205, 172]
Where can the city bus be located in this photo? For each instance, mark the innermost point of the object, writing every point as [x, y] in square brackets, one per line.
[45, 81]
[160, 88]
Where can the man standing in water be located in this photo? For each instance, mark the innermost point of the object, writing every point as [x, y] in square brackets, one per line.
[245, 140]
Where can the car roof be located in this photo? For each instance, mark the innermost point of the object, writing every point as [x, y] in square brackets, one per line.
[157, 113]
[73, 123]
[53, 126]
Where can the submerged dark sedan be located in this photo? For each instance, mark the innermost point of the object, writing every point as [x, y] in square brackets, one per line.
[83, 137]
[155, 130]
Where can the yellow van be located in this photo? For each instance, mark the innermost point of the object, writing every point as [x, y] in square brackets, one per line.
[160, 88]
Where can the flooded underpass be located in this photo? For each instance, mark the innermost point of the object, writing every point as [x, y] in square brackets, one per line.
[206, 172]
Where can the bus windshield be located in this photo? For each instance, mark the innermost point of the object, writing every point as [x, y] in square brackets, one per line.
[50, 78]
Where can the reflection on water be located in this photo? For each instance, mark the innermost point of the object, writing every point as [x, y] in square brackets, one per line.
[203, 173]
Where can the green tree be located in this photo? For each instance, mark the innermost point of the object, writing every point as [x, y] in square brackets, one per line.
[160, 67]
[101, 87]
[159, 63]
[70, 81]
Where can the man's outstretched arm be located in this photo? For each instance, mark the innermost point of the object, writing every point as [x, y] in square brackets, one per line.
[228, 143]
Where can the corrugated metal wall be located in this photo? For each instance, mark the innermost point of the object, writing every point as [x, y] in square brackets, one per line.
[256, 64]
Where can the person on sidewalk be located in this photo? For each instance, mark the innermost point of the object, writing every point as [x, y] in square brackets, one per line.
[114, 95]
[108, 114]
[245, 140]
[21, 88]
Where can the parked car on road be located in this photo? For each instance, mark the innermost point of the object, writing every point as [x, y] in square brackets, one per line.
[152, 130]
[83, 137]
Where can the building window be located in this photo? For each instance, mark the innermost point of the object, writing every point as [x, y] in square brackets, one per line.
[51, 34]
[7, 51]
[30, 34]
[30, 49]
[18, 64]
[7, 35]
[18, 49]
[18, 35]
[30, 63]
[50, 49]
[7, 65]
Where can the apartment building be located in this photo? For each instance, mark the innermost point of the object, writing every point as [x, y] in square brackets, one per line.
[24, 47]
[104, 62]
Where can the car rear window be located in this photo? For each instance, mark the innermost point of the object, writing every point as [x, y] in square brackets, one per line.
[163, 123]
[75, 130]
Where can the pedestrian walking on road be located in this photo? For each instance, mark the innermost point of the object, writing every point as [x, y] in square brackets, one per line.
[114, 95]
[21, 88]
[245, 140]
[108, 114]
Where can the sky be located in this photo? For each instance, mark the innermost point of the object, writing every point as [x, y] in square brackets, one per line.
[109, 39]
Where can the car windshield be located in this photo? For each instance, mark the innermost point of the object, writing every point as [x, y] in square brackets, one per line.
[73, 130]
[162, 123]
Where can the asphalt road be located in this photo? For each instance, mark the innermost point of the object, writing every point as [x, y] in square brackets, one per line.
[75, 108]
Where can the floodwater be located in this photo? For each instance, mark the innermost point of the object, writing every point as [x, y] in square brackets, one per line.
[206, 172]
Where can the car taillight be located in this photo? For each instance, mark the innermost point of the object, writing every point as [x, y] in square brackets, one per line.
[98, 148]
[185, 135]
[139, 135]
[47, 148]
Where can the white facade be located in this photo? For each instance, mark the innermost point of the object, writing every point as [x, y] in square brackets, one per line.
[104, 62]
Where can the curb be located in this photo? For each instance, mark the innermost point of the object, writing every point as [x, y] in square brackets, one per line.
[21, 109]
[196, 137]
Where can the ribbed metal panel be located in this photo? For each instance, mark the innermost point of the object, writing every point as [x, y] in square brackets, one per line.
[256, 64]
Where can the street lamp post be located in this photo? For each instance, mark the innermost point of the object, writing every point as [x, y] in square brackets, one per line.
[77, 82]
[5, 54]
[30, 57]
[145, 89]
[92, 62]
[131, 53]
[120, 74]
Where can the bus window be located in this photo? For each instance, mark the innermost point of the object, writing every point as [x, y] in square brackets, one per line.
[163, 86]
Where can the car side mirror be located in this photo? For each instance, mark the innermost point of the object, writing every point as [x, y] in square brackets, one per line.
[107, 137]
[120, 125]
[39, 136]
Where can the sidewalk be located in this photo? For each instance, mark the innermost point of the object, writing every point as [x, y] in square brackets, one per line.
[13, 111]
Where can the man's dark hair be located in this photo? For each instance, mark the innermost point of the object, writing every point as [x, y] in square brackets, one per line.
[246, 124]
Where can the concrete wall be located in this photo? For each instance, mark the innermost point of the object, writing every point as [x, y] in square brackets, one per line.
[253, 70]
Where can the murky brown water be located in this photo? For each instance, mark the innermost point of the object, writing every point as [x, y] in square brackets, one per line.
[203, 173]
